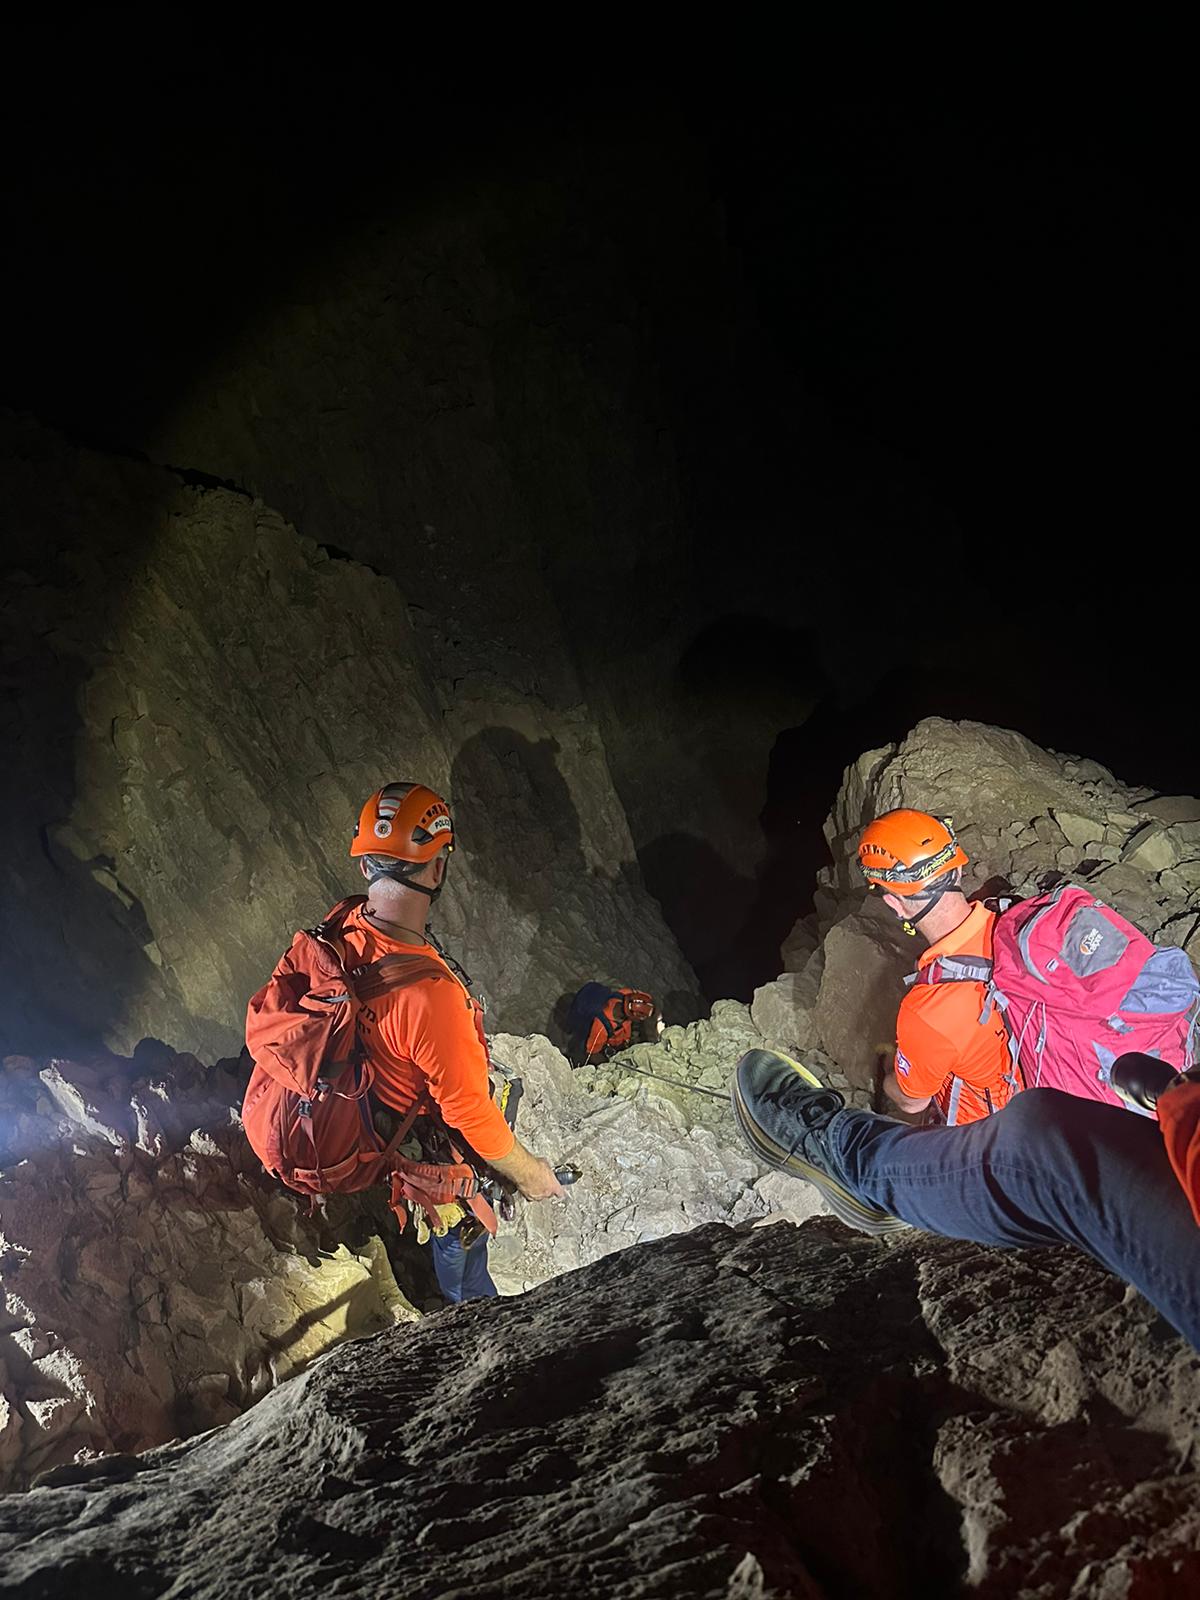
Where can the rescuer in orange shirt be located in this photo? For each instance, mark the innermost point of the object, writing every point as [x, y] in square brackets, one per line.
[602, 1020]
[429, 1034]
[943, 1055]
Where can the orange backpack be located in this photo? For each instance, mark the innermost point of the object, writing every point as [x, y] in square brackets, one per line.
[307, 1110]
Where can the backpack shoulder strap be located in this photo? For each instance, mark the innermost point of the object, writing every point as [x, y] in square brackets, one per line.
[610, 1023]
[998, 904]
[334, 919]
[396, 972]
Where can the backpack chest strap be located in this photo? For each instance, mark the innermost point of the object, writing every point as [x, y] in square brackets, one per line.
[962, 969]
[954, 969]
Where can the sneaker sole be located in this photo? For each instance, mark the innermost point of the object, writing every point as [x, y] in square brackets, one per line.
[847, 1207]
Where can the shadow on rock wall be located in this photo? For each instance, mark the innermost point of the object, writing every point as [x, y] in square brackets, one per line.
[77, 939]
[551, 896]
[516, 818]
[739, 680]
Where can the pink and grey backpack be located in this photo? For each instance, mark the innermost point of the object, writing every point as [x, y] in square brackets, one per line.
[1079, 986]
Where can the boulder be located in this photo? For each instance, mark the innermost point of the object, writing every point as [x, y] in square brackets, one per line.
[784, 1012]
[862, 984]
[1081, 833]
[781, 1413]
[1153, 848]
[154, 1281]
[800, 944]
[1171, 808]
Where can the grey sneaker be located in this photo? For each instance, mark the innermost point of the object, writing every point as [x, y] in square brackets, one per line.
[785, 1122]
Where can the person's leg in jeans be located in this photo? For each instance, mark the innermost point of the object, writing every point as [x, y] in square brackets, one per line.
[462, 1271]
[1048, 1168]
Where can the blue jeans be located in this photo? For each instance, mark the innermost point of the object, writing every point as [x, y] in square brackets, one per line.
[1049, 1168]
[462, 1274]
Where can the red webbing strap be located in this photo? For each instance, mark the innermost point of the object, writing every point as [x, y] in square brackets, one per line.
[431, 1184]
[405, 1128]
[428, 1185]
[481, 1207]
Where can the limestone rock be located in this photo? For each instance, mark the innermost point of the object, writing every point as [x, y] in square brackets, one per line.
[648, 1168]
[1008, 799]
[786, 1200]
[159, 1285]
[800, 945]
[1151, 847]
[1079, 832]
[986, 779]
[156, 1288]
[418, 403]
[784, 1012]
[784, 1413]
[1171, 808]
[692, 1066]
[861, 988]
[700, 1055]
[201, 700]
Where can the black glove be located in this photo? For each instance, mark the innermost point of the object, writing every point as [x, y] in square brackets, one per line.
[1142, 1079]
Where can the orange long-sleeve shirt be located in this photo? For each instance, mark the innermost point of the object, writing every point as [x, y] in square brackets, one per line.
[427, 1035]
[1179, 1119]
[939, 1038]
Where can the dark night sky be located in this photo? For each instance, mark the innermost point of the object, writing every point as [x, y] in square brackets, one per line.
[980, 288]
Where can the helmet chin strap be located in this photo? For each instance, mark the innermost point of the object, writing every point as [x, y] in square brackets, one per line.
[406, 882]
[910, 924]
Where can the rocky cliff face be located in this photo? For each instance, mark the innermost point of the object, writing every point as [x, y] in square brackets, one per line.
[1023, 815]
[200, 700]
[782, 1413]
[520, 401]
[1022, 812]
[156, 1283]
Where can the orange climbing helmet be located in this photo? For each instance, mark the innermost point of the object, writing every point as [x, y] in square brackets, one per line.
[405, 821]
[903, 852]
[637, 1004]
